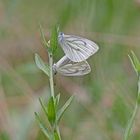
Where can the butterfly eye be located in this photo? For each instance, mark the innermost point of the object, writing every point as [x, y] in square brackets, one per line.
[60, 36]
[61, 33]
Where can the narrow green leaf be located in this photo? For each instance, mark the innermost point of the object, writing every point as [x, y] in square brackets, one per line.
[43, 36]
[51, 111]
[43, 107]
[41, 65]
[58, 29]
[57, 98]
[54, 39]
[44, 41]
[42, 127]
[135, 62]
[63, 109]
[56, 136]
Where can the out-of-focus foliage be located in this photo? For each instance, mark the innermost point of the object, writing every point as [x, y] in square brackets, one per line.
[104, 98]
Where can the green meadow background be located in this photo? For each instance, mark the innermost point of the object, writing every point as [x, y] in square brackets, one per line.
[104, 99]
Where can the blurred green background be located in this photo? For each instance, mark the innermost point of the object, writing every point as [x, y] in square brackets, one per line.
[104, 99]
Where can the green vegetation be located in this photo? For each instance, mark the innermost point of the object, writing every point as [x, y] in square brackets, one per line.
[104, 99]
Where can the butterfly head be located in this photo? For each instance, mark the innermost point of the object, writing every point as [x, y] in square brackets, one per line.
[60, 36]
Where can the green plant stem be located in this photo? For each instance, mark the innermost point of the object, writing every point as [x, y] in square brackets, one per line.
[57, 128]
[51, 74]
[55, 125]
[138, 88]
[132, 119]
[131, 122]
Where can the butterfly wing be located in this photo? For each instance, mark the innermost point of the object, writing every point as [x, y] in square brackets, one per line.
[67, 67]
[77, 48]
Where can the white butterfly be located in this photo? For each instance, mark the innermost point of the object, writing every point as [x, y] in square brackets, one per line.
[77, 48]
[67, 67]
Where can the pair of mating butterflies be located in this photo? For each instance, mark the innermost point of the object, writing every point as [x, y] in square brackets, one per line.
[77, 50]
